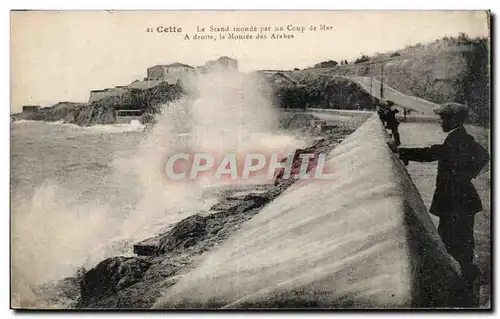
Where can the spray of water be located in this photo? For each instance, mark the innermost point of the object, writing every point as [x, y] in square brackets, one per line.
[229, 113]
[223, 113]
[52, 236]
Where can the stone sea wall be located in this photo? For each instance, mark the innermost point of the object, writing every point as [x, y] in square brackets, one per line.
[361, 240]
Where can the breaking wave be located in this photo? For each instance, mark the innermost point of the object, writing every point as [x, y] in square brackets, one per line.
[53, 235]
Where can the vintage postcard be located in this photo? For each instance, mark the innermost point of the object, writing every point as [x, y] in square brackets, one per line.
[250, 159]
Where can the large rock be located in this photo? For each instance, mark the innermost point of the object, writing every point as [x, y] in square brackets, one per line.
[104, 111]
[185, 234]
[99, 112]
[196, 228]
[238, 205]
[110, 276]
[147, 247]
[63, 111]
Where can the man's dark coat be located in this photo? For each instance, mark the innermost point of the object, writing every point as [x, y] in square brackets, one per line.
[461, 159]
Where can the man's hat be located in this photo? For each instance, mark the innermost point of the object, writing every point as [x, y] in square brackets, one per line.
[453, 109]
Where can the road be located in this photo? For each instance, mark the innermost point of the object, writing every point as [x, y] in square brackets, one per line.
[333, 118]
[424, 175]
[406, 101]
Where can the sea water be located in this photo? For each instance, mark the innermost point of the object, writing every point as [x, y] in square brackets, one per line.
[83, 194]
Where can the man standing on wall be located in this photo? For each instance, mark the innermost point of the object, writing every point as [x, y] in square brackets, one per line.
[388, 116]
[460, 159]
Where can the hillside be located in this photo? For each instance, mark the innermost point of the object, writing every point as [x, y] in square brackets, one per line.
[310, 90]
[449, 69]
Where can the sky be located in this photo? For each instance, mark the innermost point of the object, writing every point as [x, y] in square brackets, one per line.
[62, 55]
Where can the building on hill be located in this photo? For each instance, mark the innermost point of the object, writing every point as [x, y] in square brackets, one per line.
[223, 63]
[201, 69]
[170, 72]
[30, 108]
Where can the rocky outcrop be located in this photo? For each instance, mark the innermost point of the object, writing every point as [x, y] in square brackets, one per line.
[193, 232]
[145, 98]
[54, 113]
[111, 285]
[104, 111]
[97, 112]
[109, 276]
[186, 233]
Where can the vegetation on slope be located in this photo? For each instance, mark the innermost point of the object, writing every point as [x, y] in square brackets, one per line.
[451, 69]
[320, 91]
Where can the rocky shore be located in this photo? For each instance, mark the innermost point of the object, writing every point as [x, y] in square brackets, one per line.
[104, 111]
[160, 261]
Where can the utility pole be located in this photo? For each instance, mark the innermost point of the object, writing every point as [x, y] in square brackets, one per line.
[371, 88]
[371, 84]
[382, 81]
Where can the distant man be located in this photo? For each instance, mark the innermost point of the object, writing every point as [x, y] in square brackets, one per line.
[381, 114]
[389, 120]
[456, 201]
[382, 111]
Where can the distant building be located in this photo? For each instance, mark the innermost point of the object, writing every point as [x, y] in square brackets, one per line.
[30, 108]
[170, 72]
[200, 69]
[223, 63]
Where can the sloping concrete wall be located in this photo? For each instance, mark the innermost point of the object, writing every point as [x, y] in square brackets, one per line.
[361, 240]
